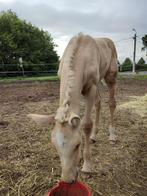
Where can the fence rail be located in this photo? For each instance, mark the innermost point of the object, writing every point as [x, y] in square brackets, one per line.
[28, 69]
[26, 73]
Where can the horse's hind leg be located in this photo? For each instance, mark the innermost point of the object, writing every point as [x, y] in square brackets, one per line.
[111, 83]
[93, 136]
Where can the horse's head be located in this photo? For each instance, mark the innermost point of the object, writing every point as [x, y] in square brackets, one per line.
[66, 137]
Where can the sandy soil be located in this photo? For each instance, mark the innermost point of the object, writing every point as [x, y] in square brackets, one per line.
[29, 164]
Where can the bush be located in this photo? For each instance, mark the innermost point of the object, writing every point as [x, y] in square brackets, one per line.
[141, 67]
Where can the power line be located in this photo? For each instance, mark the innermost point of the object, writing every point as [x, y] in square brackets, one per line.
[130, 38]
[139, 41]
[126, 39]
[142, 34]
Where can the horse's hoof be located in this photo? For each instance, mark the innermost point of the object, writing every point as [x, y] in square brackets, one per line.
[86, 168]
[92, 141]
[86, 171]
[112, 142]
[112, 138]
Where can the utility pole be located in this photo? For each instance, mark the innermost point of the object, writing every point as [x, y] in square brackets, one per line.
[134, 53]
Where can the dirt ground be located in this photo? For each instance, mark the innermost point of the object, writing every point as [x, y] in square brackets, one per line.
[29, 164]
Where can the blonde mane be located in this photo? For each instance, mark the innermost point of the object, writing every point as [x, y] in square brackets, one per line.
[64, 111]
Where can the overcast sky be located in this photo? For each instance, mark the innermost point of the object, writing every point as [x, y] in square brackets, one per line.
[100, 18]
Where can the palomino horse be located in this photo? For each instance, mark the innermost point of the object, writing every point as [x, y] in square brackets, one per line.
[85, 62]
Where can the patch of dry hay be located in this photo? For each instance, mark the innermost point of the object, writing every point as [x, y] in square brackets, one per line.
[139, 104]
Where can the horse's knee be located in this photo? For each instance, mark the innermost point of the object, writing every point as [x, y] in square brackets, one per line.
[111, 78]
[87, 126]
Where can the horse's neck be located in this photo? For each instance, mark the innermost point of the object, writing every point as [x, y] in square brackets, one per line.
[75, 91]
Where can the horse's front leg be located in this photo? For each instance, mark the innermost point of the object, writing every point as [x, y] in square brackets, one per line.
[111, 83]
[87, 128]
[93, 136]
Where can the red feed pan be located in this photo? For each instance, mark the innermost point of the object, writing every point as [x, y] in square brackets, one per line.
[65, 189]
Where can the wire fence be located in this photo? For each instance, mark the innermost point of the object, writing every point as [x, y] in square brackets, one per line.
[11, 70]
[44, 70]
[124, 49]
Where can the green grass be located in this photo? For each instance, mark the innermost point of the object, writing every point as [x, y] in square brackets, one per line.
[55, 78]
[135, 77]
[140, 77]
[37, 78]
[120, 77]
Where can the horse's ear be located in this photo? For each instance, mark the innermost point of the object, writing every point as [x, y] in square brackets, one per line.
[74, 120]
[44, 120]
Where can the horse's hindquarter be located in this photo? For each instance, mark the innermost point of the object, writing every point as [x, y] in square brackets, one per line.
[106, 51]
[96, 54]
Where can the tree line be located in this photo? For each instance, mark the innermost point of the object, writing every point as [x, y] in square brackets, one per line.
[127, 65]
[141, 65]
[19, 39]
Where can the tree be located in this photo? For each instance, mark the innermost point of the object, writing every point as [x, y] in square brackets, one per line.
[141, 61]
[21, 39]
[127, 62]
[127, 65]
[144, 41]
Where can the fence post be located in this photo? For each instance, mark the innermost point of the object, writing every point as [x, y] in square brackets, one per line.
[21, 65]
